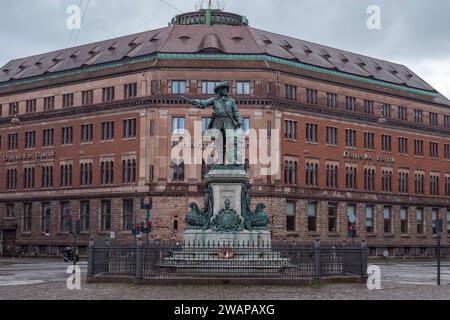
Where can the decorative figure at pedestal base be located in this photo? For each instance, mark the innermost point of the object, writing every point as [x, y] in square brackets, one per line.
[201, 219]
[227, 220]
[259, 219]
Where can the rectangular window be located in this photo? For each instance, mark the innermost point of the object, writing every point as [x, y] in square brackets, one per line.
[107, 172]
[290, 172]
[85, 208]
[87, 97]
[87, 131]
[128, 209]
[47, 176]
[130, 90]
[369, 219]
[312, 174]
[311, 96]
[86, 174]
[447, 121]
[419, 183]
[312, 217]
[28, 177]
[65, 217]
[351, 178]
[105, 223]
[67, 100]
[403, 113]
[291, 92]
[403, 145]
[48, 137]
[331, 100]
[246, 125]
[433, 119]
[312, 133]
[387, 220]
[448, 221]
[152, 127]
[49, 103]
[332, 217]
[350, 138]
[11, 179]
[332, 136]
[369, 179]
[208, 86]
[13, 108]
[419, 221]
[177, 171]
[178, 87]
[369, 141]
[66, 135]
[368, 106]
[447, 151]
[434, 150]
[129, 171]
[418, 116]
[46, 217]
[290, 129]
[243, 88]
[108, 130]
[30, 139]
[386, 110]
[351, 218]
[332, 176]
[13, 141]
[31, 106]
[386, 180]
[65, 175]
[350, 103]
[290, 216]
[447, 186]
[434, 218]
[178, 125]
[403, 182]
[386, 143]
[434, 184]
[108, 94]
[10, 211]
[27, 216]
[418, 148]
[404, 220]
[129, 128]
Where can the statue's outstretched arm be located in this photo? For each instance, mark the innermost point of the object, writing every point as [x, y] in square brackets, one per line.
[203, 104]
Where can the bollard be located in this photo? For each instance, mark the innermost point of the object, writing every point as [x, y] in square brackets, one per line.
[139, 260]
[317, 267]
[91, 258]
[364, 255]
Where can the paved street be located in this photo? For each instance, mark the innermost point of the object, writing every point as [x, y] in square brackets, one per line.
[43, 279]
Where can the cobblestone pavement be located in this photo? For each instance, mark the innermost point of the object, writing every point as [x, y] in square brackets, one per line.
[29, 280]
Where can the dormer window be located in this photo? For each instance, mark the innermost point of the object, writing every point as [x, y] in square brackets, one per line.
[307, 50]
[325, 54]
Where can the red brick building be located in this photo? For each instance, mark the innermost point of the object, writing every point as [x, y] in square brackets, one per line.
[86, 134]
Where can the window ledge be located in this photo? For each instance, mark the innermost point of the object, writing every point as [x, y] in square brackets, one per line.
[293, 234]
[371, 235]
[389, 235]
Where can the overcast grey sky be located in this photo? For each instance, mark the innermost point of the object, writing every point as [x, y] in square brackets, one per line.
[413, 32]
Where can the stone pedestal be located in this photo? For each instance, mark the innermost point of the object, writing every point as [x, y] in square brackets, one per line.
[227, 183]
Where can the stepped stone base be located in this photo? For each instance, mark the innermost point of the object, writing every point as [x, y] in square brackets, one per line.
[242, 238]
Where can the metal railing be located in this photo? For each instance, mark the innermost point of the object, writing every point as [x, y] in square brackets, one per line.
[179, 260]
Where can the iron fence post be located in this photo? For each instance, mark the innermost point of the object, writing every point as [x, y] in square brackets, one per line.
[317, 271]
[139, 260]
[91, 258]
[364, 254]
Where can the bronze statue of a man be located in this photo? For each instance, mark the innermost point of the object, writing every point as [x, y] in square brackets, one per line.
[226, 115]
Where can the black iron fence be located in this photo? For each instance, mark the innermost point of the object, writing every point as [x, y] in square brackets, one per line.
[178, 260]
